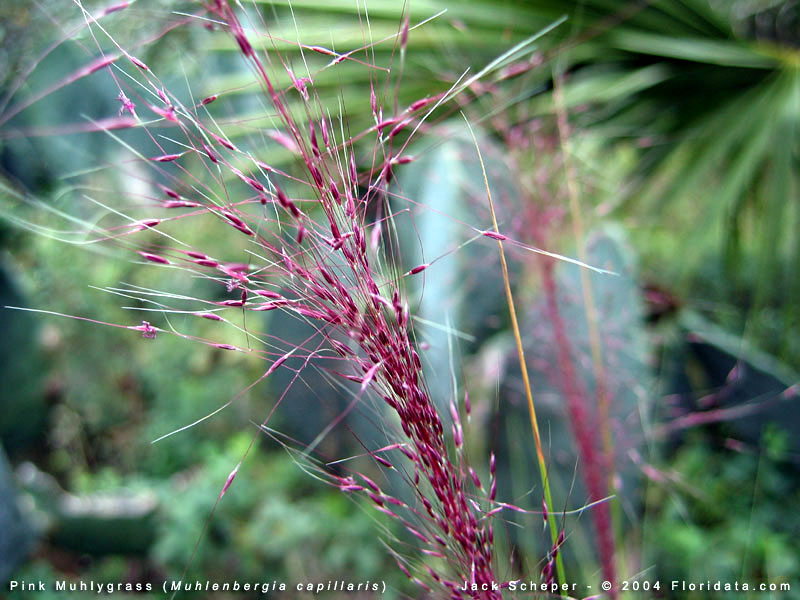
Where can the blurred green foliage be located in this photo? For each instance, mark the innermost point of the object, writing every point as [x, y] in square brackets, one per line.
[724, 515]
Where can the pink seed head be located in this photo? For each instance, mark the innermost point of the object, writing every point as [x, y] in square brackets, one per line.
[127, 105]
[234, 303]
[475, 479]
[353, 173]
[267, 294]
[380, 300]
[148, 331]
[351, 488]
[278, 363]
[166, 157]
[399, 127]
[322, 50]
[237, 223]
[417, 534]
[210, 316]
[282, 198]
[387, 174]
[223, 141]
[244, 43]
[369, 375]
[421, 103]
[153, 258]
[418, 269]
[269, 306]
[256, 185]
[284, 140]
[284, 201]
[312, 135]
[167, 113]
[371, 484]
[324, 128]
[494, 511]
[385, 123]
[228, 482]
[458, 435]
[206, 262]
[139, 64]
[178, 204]
[340, 348]
[208, 100]
[170, 192]
[382, 461]
[547, 572]
[211, 156]
[299, 84]
[316, 175]
[310, 313]
[454, 412]
[334, 189]
[494, 235]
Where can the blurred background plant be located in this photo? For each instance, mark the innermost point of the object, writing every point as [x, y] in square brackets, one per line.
[679, 138]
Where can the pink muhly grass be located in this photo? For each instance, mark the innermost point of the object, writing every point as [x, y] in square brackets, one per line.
[311, 258]
[346, 300]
